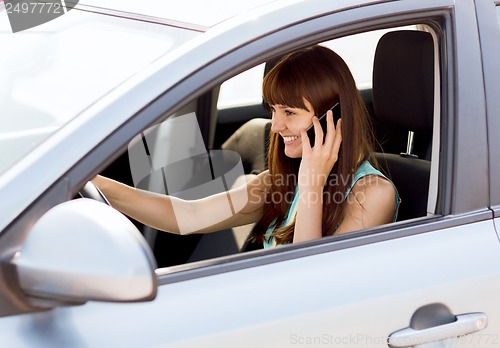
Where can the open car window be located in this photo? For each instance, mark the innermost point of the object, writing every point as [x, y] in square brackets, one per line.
[177, 153]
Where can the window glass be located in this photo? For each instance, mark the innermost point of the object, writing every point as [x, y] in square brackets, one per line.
[243, 89]
[357, 50]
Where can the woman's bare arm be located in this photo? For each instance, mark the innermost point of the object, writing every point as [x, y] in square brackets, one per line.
[239, 206]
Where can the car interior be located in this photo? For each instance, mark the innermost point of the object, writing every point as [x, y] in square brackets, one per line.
[402, 102]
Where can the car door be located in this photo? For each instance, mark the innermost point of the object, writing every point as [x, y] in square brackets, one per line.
[437, 276]
[359, 290]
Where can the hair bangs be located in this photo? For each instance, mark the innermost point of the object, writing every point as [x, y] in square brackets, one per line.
[280, 88]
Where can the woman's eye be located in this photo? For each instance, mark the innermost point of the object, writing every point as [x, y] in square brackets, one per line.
[289, 113]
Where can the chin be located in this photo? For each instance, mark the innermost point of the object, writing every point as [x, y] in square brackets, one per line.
[293, 154]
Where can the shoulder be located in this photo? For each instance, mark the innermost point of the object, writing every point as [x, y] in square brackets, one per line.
[373, 182]
[373, 188]
[370, 203]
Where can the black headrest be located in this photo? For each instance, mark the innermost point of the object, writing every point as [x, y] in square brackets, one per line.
[403, 79]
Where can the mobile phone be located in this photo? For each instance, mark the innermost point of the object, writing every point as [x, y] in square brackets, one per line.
[322, 121]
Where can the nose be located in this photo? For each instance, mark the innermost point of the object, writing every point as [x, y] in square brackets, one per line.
[278, 122]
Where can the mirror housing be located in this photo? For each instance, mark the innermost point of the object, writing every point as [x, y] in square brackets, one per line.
[83, 250]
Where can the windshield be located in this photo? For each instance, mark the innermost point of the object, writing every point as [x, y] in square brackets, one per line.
[52, 72]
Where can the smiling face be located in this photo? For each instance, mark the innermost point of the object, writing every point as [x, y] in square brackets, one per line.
[288, 122]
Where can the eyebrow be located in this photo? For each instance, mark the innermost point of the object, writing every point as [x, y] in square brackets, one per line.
[285, 106]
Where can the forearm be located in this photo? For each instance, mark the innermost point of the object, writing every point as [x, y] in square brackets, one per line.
[308, 222]
[149, 208]
[175, 215]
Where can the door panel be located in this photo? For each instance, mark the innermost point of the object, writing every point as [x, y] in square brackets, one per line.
[353, 297]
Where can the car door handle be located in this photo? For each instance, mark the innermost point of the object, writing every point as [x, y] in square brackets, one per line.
[465, 324]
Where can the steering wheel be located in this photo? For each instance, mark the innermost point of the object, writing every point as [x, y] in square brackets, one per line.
[92, 191]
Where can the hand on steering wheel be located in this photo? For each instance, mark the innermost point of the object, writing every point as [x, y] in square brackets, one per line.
[92, 191]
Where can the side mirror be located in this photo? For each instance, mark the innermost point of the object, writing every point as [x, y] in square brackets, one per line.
[83, 250]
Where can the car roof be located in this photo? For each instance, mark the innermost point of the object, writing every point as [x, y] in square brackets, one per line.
[196, 12]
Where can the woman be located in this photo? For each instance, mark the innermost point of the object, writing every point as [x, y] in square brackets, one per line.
[309, 191]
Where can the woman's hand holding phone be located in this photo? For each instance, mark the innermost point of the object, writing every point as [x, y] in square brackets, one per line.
[335, 109]
[321, 154]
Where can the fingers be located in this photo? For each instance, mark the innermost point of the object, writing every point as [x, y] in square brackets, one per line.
[318, 132]
[330, 129]
[333, 137]
[330, 141]
[307, 144]
[338, 137]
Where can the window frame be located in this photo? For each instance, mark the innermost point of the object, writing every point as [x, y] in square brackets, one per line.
[382, 233]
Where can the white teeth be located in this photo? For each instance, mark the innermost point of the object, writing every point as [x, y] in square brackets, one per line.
[287, 139]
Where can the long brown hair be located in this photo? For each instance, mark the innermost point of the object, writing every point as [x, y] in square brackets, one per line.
[321, 76]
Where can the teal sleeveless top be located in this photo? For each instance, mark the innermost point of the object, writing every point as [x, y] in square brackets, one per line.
[364, 169]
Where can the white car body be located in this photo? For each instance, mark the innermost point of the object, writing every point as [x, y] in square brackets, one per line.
[350, 291]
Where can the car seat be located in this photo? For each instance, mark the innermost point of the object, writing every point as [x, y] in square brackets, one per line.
[249, 141]
[403, 99]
